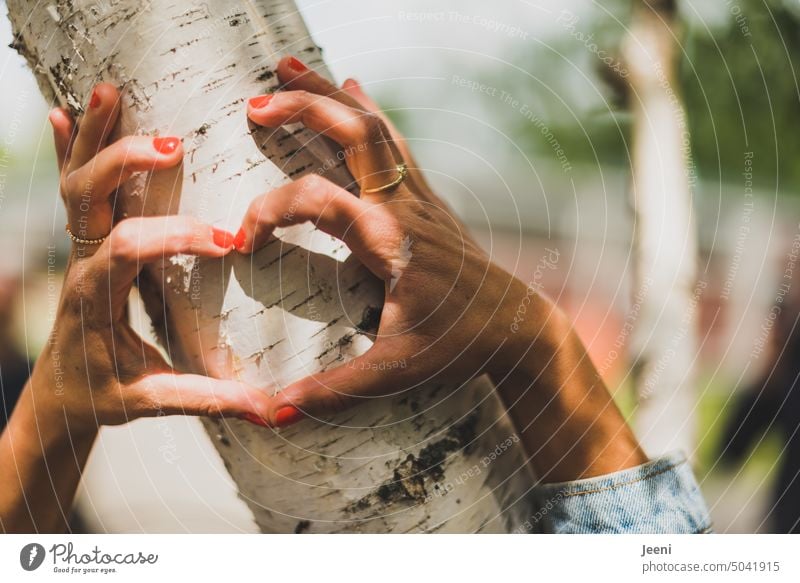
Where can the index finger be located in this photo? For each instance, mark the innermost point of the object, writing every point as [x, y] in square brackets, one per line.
[63, 133]
[294, 74]
[135, 242]
[95, 124]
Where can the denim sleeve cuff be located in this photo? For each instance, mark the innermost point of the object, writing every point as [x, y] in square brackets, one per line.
[659, 497]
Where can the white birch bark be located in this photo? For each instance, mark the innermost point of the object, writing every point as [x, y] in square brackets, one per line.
[664, 343]
[421, 461]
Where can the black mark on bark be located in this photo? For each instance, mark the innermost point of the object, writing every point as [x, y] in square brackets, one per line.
[412, 477]
[370, 320]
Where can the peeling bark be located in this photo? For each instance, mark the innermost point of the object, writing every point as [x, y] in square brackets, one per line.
[298, 306]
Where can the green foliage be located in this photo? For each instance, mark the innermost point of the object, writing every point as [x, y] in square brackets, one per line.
[740, 86]
[738, 79]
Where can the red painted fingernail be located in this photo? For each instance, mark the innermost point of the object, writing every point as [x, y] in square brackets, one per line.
[94, 101]
[255, 419]
[260, 101]
[166, 145]
[297, 65]
[239, 239]
[287, 416]
[222, 238]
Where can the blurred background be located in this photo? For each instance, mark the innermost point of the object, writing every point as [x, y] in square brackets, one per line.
[537, 121]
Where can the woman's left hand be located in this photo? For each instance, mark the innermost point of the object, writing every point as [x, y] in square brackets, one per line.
[107, 374]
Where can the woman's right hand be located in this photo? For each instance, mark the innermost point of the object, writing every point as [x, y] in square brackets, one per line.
[449, 311]
[447, 307]
[96, 370]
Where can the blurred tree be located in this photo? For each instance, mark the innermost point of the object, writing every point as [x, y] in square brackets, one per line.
[663, 342]
[736, 73]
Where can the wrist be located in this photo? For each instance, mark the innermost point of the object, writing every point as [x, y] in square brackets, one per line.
[566, 416]
[46, 453]
[529, 331]
[46, 402]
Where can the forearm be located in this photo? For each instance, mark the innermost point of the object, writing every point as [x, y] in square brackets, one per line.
[41, 461]
[567, 419]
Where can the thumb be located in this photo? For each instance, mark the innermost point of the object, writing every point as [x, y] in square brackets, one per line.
[188, 394]
[374, 374]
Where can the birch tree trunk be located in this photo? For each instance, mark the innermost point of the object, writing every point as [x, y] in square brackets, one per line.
[664, 344]
[443, 458]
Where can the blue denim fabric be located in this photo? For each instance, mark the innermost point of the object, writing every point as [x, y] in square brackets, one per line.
[661, 497]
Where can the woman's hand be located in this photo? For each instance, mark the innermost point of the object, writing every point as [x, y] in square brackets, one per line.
[448, 309]
[110, 375]
[95, 370]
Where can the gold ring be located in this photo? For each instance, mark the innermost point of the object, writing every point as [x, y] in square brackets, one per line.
[79, 241]
[402, 172]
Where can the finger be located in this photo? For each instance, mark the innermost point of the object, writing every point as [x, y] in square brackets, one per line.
[353, 88]
[63, 127]
[294, 75]
[87, 190]
[365, 141]
[367, 229]
[188, 394]
[137, 241]
[115, 164]
[373, 374]
[95, 124]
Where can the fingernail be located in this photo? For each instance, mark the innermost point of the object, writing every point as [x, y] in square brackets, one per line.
[222, 238]
[94, 101]
[239, 239]
[352, 84]
[260, 101]
[297, 65]
[255, 419]
[287, 416]
[166, 145]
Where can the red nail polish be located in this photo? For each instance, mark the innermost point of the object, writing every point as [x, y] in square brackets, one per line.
[222, 238]
[166, 145]
[255, 419]
[287, 416]
[94, 100]
[260, 101]
[297, 65]
[239, 239]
